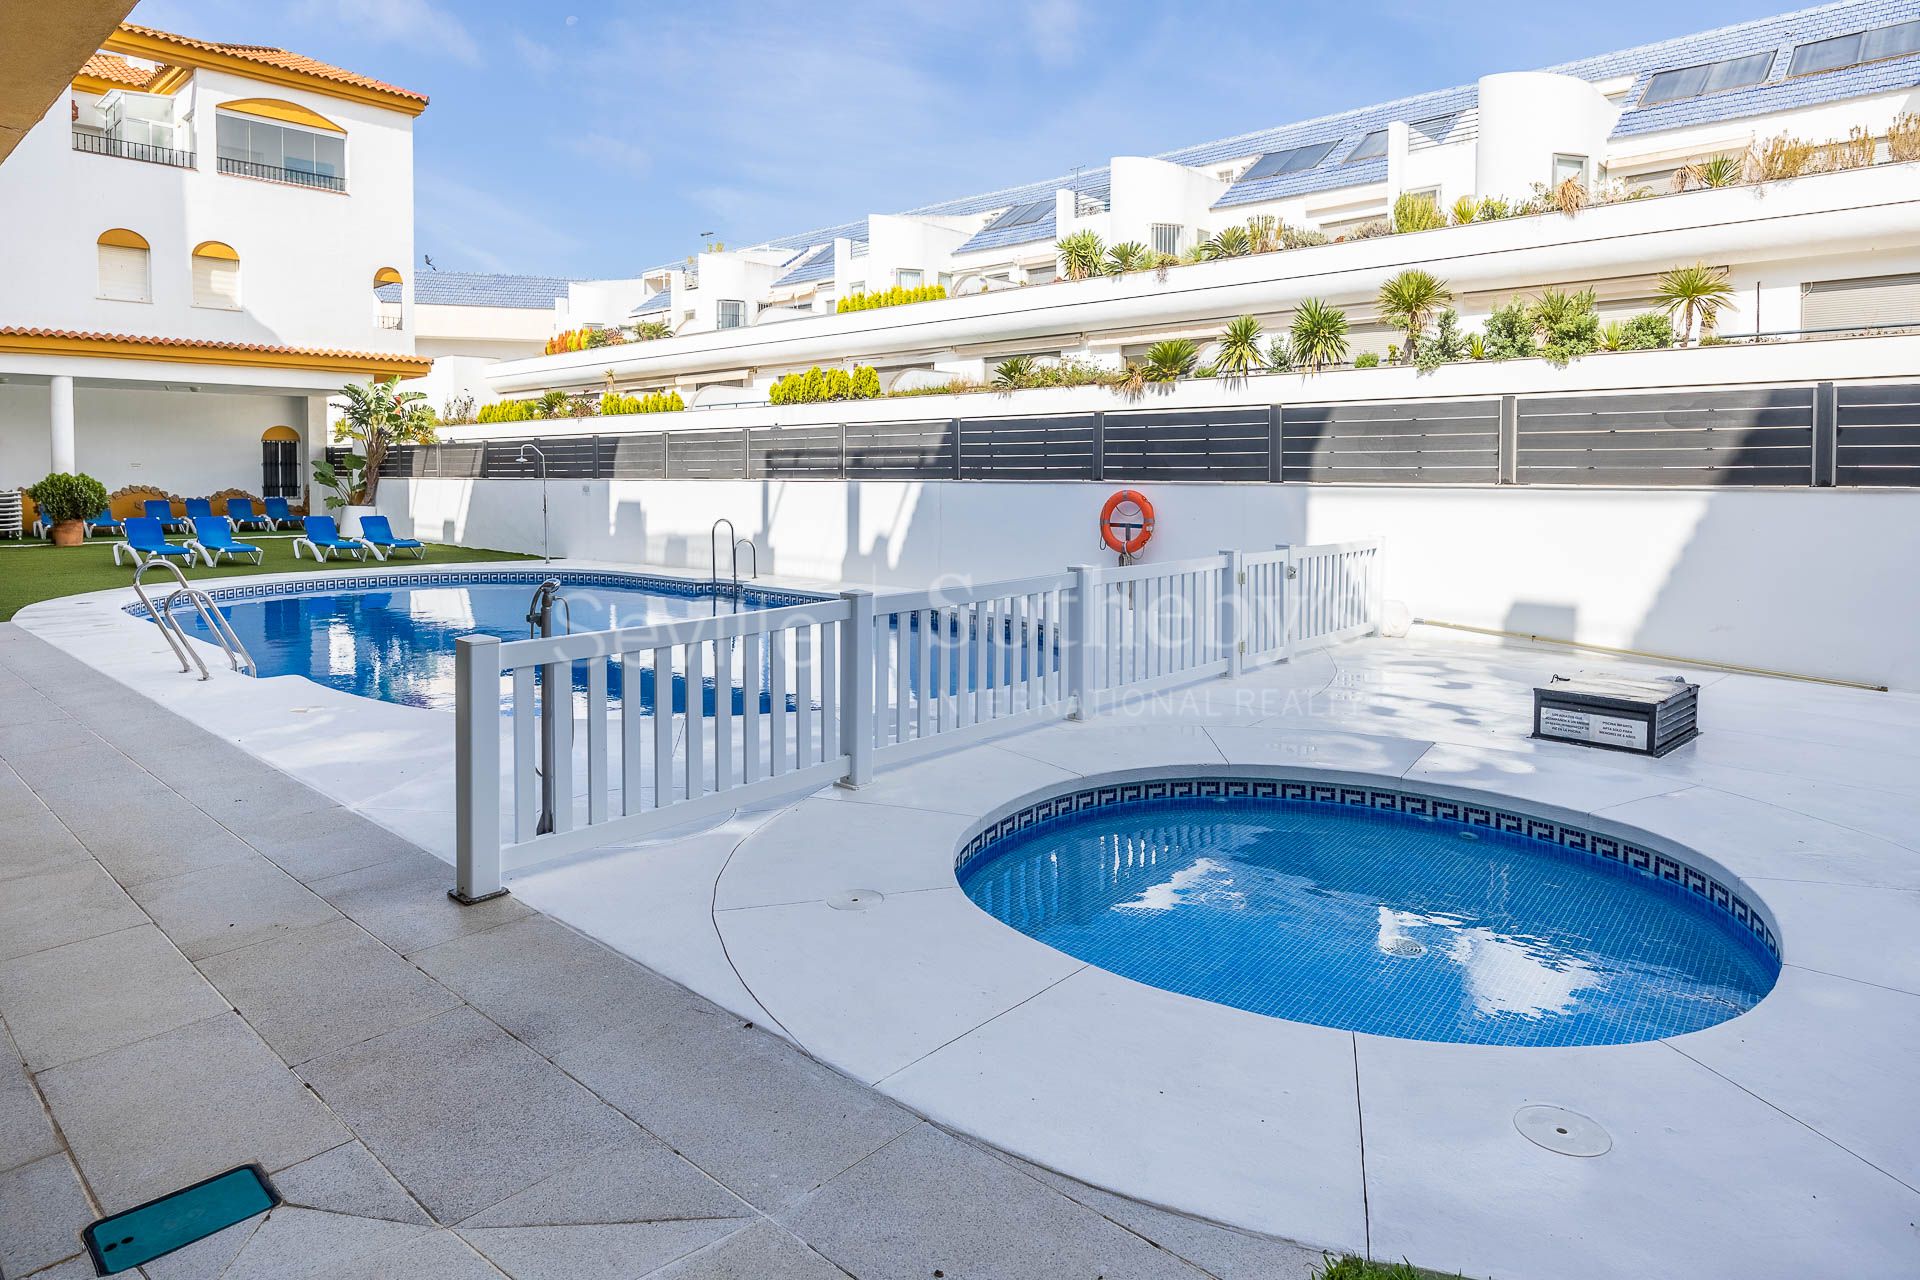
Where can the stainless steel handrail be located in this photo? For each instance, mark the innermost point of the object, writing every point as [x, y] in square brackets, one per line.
[210, 616]
[754, 559]
[713, 549]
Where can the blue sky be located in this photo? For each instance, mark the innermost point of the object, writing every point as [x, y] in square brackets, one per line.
[603, 139]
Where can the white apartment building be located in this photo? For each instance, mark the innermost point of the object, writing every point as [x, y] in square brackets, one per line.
[199, 244]
[1825, 252]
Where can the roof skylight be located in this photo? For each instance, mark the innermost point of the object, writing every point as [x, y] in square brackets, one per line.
[1371, 147]
[1275, 163]
[1021, 215]
[1708, 77]
[1862, 46]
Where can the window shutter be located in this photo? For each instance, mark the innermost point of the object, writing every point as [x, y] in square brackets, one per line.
[1868, 302]
[123, 273]
[216, 282]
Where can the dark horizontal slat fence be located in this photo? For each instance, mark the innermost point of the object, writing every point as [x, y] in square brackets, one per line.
[1749, 436]
[1188, 444]
[1775, 436]
[1877, 435]
[1443, 441]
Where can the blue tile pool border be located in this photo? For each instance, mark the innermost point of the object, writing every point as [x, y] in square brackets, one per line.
[347, 582]
[1661, 867]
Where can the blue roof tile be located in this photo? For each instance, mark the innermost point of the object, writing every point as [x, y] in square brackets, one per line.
[1892, 76]
[658, 302]
[811, 266]
[475, 289]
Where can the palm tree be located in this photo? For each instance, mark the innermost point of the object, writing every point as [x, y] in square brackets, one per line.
[1081, 255]
[1129, 255]
[1318, 335]
[1012, 373]
[1171, 359]
[374, 418]
[1228, 242]
[1409, 301]
[1714, 171]
[1238, 352]
[1695, 292]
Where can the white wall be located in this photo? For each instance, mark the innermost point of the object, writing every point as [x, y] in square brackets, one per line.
[307, 257]
[1812, 582]
[1528, 116]
[183, 442]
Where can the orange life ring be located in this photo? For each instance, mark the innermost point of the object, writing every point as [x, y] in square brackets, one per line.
[1124, 535]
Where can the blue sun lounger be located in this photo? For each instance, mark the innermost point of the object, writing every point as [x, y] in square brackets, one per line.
[159, 509]
[322, 537]
[146, 538]
[246, 516]
[105, 523]
[377, 533]
[213, 538]
[281, 514]
[199, 509]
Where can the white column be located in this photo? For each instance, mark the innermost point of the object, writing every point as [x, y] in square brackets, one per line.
[61, 418]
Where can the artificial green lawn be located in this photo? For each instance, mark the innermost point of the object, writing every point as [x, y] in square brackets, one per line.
[1352, 1268]
[32, 570]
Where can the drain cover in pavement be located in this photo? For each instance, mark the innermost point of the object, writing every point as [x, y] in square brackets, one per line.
[139, 1235]
[855, 899]
[1567, 1133]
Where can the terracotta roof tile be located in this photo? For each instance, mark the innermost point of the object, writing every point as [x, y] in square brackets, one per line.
[268, 55]
[112, 67]
[209, 344]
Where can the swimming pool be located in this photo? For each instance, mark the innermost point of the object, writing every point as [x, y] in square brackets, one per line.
[1367, 909]
[391, 637]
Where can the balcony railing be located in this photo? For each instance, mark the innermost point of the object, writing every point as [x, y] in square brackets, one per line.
[100, 144]
[273, 173]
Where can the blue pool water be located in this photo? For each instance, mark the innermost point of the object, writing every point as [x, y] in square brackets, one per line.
[396, 644]
[1379, 922]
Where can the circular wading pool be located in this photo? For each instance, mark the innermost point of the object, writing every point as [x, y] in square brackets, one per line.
[1377, 910]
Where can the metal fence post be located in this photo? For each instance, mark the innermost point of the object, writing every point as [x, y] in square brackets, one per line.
[1826, 435]
[1507, 467]
[1233, 578]
[1285, 598]
[1081, 639]
[476, 769]
[856, 688]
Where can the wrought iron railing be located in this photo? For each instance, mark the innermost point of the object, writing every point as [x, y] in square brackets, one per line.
[100, 144]
[273, 173]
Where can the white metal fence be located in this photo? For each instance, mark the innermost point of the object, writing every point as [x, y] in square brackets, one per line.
[573, 742]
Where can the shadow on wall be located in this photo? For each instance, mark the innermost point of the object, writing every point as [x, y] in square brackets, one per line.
[1814, 582]
[1542, 618]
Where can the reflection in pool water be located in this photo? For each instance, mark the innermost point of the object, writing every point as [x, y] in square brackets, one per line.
[1376, 922]
[397, 645]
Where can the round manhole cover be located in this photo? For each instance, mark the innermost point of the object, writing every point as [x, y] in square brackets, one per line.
[1564, 1132]
[856, 899]
[1405, 947]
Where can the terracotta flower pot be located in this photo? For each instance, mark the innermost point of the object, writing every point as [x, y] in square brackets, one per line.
[69, 533]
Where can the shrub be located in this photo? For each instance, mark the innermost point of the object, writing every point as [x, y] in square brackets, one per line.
[653, 402]
[457, 409]
[1566, 323]
[1466, 209]
[1228, 242]
[1300, 237]
[1082, 254]
[1444, 346]
[1239, 350]
[1366, 360]
[1127, 256]
[817, 385]
[1903, 137]
[652, 330]
[1493, 209]
[1508, 333]
[1014, 371]
[554, 404]
[1409, 299]
[1318, 335]
[65, 496]
[1648, 331]
[1416, 212]
[1366, 231]
[894, 297]
[585, 339]
[1779, 157]
[1280, 355]
[1855, 151]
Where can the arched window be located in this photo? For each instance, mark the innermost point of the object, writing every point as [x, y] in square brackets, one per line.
[216, 276]
[387, 290]
[124, 274]
[280, 463]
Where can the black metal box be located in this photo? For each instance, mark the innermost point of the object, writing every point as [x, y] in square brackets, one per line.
[1648, 717]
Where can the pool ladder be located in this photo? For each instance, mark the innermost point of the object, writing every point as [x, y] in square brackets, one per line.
[735, 543]
[215, 622]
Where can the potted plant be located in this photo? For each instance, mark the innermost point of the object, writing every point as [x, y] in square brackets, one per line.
[373, 419]
[69, 501]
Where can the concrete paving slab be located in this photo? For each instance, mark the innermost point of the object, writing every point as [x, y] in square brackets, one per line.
[66, 904]
[317, 990]
[167, 1111]
[86, 997]
[226, 908]
[768, 1122]
[42, 1209]
[607, 1251]
[759, 1251]
[636, 1179]
[461, 1113]
[403, 902]
[348, 1180]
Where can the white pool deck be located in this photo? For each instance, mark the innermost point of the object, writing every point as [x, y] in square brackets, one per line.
[1785, 1142]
